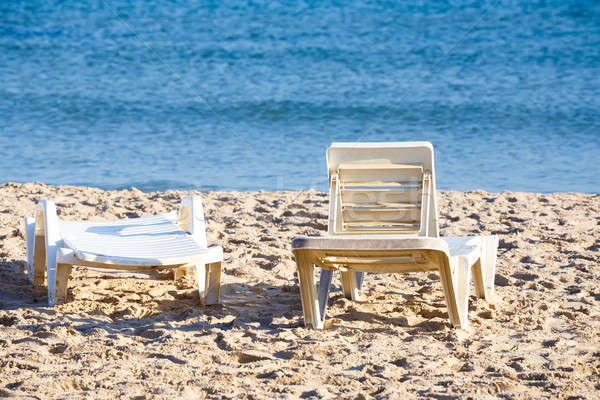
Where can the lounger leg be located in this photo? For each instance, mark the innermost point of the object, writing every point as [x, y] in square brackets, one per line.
[456, 291]
[323, 290]
[484, 271]
[213, 290]
[308, 291]
[209, 283]
[478, 278]
[30, 239]
[350, 285]
[58, 283]
[45, 251]
[489, 252]
[39, 261]
[360, 277]
[179, 273]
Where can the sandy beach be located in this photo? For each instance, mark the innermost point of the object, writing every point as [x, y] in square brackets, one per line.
[138, 336]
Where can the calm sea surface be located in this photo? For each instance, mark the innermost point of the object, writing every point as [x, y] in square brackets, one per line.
[229, 96]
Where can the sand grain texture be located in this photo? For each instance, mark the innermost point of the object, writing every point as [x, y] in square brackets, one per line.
[135, 337]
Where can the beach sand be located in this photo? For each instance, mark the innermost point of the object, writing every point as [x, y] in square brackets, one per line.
[135, 336]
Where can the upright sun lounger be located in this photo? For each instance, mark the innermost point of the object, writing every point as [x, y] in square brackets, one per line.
[173, 240]
[383, 219]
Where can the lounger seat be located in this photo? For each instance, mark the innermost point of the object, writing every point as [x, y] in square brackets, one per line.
[152, 241]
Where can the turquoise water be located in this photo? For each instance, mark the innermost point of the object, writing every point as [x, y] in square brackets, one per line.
[224, 96]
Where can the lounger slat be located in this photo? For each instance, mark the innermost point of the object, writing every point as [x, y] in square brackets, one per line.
[156, 237]
[381, 268]
[382, 172]
[401, 186]
[381, 226]
[376, 197]
[361, 166]
[367, 260]
[380, 219]
[380, 206]
[371, 212]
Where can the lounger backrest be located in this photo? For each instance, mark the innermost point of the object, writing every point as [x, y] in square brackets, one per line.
[382, 188]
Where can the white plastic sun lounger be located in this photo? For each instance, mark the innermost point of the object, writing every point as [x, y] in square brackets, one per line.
[172, 240]
[383, 219]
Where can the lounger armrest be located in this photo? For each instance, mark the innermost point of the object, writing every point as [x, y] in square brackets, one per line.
[191, 219]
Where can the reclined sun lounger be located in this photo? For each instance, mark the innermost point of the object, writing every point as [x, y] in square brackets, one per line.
[173, 240]
[383, 219]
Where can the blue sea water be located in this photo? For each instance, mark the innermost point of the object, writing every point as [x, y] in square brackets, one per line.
[225, 95]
